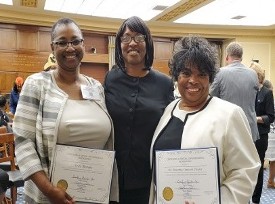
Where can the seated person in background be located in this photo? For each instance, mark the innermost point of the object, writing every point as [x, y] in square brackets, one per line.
[197, 120]
[17, 86]
[4, 118]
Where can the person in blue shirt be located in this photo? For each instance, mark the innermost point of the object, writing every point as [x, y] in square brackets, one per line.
[17, 86]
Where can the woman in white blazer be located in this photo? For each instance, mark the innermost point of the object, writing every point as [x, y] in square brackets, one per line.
[197, 120]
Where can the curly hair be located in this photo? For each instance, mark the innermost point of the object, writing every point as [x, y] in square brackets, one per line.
[135, 24]
[193, 51]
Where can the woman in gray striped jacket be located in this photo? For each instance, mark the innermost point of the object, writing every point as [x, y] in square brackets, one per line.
[60, 106]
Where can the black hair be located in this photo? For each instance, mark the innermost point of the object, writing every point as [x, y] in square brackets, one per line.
[3, 101]
[63, 21]
[15, 87]
[135, 24]
[193, 51]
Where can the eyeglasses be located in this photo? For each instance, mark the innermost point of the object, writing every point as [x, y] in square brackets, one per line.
[64, 44]
[128, 38]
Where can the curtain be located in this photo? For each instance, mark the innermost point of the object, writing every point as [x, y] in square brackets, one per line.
[111, 51]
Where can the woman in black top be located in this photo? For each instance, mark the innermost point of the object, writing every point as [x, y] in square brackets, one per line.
[265, 116]
[136, 96]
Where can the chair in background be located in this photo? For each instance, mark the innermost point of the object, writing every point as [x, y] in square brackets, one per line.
[3, 129]
[3, 150]
[7, 142]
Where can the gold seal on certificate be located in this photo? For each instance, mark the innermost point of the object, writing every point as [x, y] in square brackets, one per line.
[188, 174]
[167, 193]
[62, 184]
[80, 171]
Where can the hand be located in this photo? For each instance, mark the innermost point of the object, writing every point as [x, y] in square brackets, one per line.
[53, 193]
[59, 196]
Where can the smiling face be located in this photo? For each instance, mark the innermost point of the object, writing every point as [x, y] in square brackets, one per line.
[69, 57]
[133, 53]
[19, 87]
[193, 87]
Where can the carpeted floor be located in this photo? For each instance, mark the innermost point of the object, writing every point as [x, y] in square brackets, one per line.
[268, 195]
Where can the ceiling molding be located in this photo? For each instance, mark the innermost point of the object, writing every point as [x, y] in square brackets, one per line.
[39, 17]
[29, 3]
[178, 11]
[209, 32]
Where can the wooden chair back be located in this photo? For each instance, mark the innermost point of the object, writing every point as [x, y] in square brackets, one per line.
[3, 129]
[7, 142]
[3, 150]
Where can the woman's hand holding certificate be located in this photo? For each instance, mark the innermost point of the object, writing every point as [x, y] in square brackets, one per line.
[187, 174]
[84, 173]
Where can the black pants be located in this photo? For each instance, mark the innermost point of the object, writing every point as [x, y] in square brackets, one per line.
[136, 196]
[261, 146]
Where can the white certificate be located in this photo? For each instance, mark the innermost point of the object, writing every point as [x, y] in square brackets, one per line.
[187, 174]
[85, 174]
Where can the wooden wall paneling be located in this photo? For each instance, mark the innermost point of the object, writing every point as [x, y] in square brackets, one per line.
[8, 39]
[29, 46]
[22, 62]
[96, 58]
[95, 65]
[162, 66]
[100, 42]
[2, 82]
[27, 40]
[7, 79]
[162, 52]
[95, 70]
[44, 41]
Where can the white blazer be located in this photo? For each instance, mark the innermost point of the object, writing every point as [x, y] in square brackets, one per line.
[225, 126]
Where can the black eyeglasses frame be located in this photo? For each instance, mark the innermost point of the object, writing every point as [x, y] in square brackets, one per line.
[65, 44]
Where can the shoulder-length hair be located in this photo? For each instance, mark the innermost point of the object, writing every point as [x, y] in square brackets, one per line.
[259, 70]
[135, 24]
